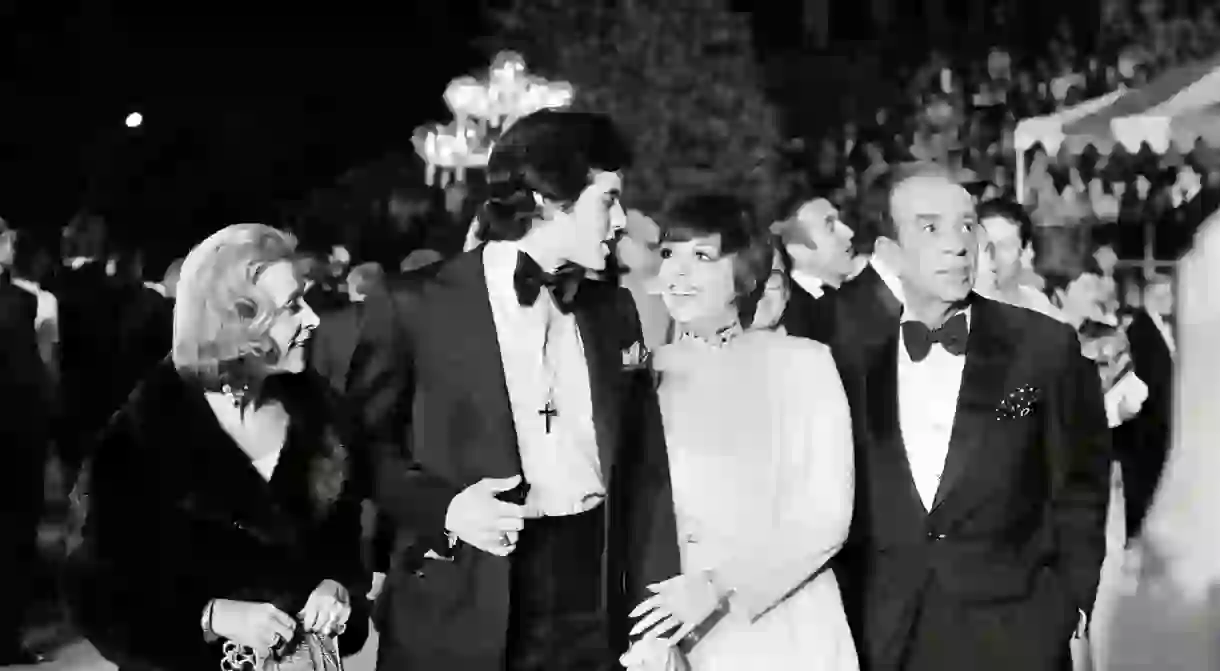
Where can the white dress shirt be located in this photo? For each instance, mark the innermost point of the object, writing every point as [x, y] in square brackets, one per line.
[562, 467]
[265, 465]
[927, 403]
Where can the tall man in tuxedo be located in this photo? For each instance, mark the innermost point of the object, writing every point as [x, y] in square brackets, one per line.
[982, 454]
[530, 493]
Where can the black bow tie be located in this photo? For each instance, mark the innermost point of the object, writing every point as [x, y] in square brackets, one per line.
[529, 278]
[951, 335]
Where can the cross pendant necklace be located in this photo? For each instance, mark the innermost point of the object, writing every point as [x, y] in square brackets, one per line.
[549, 412]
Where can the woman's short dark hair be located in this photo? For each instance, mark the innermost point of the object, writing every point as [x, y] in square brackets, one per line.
[734, 221]
[1011, 211]
[549, 153]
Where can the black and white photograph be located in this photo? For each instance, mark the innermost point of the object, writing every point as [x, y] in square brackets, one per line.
[597, 335]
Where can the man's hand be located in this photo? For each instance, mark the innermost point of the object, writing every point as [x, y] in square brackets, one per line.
[477, 517]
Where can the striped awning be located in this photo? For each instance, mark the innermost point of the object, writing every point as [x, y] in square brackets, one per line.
[1175, 110]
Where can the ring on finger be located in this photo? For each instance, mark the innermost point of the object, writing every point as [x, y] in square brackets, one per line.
[504, 540]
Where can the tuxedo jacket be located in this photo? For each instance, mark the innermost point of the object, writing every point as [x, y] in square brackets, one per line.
[430, 378]
[332, 354]
[1012, 546]
[334, 343]
[809, 317]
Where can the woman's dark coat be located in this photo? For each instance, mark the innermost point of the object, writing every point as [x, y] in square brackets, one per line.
[178, 515]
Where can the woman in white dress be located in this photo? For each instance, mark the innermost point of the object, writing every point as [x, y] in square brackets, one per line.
[760, 449]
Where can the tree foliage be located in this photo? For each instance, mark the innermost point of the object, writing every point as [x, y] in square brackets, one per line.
[678, 76]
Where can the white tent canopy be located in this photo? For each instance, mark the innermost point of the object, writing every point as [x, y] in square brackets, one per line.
[1178, 108]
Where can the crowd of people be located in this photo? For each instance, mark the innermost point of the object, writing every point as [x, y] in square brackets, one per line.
[964, 112]
[596, 437]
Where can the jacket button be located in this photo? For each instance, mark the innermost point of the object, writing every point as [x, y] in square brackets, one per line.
[935, 536]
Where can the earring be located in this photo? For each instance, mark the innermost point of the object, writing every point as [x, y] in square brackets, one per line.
[235, 395]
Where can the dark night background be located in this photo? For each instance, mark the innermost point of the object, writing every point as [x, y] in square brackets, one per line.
[245, 105]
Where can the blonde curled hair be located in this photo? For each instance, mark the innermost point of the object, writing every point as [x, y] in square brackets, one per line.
[222, 318]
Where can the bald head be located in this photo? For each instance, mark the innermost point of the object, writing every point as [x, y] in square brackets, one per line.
[875, 216]
[928, 196]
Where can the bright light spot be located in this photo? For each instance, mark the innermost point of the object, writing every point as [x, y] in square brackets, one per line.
[134, 120]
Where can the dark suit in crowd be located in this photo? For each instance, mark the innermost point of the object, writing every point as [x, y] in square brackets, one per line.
[1141, 444]
[24, 397]
[333, 352]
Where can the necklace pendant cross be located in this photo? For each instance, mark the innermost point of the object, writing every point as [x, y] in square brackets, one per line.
[549, 412]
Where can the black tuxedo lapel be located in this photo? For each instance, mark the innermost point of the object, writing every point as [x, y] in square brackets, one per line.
[595, 319]
[984, 379]
[465, 326]
[883, 419]
[866, 344]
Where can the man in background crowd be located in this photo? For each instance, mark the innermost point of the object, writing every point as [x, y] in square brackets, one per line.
[1006, 237]
[1142, 442]
[363, 280]
[25, 397]
[819, 244]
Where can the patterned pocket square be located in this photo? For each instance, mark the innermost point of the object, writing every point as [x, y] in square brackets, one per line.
[1018, 403]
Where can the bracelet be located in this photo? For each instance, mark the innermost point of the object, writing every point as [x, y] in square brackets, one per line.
[205, 623]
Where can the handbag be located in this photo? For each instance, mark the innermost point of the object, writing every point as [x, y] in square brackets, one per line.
[650, 654]
[306, 652]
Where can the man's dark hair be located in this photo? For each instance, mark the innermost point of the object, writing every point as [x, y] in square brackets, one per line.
[1011, 211]
[549, 153]
[795, 197]
[786, 226]
[734, 221]
[1092, 329]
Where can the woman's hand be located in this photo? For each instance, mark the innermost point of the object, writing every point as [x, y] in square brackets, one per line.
[259, 626]
[680, 603]
[327, 609]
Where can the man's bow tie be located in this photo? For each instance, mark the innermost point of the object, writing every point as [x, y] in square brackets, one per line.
[529, 278]
[951, 335]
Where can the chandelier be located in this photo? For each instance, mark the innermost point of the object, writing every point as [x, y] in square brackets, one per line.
[448, 150]
[482, 110]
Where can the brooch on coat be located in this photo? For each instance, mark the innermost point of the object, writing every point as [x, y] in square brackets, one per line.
[635, 357]
[1018, 403]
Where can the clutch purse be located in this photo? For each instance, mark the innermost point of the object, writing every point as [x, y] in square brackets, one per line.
[650, 654]
[306, 652]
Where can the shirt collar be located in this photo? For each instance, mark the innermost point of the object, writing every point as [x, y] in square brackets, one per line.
[890, 278]
[500, 260]
[811, 284]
